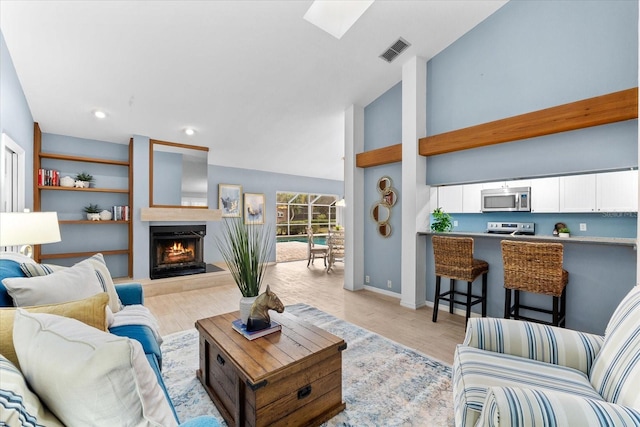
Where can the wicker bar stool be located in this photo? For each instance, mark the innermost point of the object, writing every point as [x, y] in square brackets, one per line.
[535, 268]
[454, 259]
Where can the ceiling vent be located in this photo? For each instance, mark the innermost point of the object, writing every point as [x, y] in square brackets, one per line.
[395, 50]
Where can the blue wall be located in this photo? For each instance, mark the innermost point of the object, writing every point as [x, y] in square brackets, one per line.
[267, 183]
[527, 56]
[383, 127]
[252, 181]
[69, 204]
[15, 116]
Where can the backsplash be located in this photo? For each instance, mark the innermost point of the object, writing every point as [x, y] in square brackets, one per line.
[614, 224]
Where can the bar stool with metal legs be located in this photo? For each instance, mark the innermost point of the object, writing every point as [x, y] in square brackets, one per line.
[535, 268]
[454, 259]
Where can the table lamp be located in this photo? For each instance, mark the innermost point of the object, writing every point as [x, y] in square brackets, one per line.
[28, 228]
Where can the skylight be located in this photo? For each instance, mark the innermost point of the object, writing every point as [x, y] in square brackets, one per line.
[336, 17]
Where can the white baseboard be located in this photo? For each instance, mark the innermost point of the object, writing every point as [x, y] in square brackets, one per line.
[382, 291]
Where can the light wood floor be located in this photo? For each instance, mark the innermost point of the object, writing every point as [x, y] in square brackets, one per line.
[294, 283]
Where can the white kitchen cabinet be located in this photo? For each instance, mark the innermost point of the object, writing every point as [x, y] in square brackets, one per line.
[578, 193]
[617, 191]
[506, 184]
[518, 183]
[450, 198]
[545, 194]
[471, 198]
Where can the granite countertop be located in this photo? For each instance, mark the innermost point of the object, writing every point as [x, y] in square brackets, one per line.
[622, 241]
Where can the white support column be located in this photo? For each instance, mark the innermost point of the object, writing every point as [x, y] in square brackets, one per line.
[354, 198]
[415, 192]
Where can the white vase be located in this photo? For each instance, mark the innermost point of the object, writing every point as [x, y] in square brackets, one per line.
[93, 216]
[106, 215]
[245, 308]
[66, 181]
[564, 235]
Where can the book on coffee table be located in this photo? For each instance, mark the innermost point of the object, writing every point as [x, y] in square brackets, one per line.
[241, 328]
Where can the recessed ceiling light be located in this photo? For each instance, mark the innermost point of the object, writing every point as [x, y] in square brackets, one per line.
[189, 131]
[100, 114]
[336, 17]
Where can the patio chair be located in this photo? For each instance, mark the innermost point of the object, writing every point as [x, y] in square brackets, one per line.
[336, 247]
[315, 251]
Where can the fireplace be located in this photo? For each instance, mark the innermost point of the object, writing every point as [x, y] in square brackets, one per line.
[176, 250]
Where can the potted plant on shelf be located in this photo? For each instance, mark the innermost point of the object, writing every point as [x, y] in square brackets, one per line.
[85, 178]
[245, 249]
[441, 221]
[93, 212]
[564, 232]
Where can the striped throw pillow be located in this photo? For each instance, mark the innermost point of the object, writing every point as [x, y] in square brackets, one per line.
[616, 371]
[19, 406]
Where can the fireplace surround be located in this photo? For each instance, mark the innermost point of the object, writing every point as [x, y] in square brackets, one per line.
[176, 250]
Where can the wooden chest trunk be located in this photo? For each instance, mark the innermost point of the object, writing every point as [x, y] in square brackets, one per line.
[288, 378]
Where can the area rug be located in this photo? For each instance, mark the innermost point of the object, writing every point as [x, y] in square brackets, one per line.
[384, 383]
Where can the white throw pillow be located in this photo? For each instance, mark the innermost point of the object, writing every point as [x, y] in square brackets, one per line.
[69, 284]
[19, 406]
[106, 282]
[86, 376]
[100, 267]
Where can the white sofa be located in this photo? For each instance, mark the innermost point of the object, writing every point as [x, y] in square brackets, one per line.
[514, 373]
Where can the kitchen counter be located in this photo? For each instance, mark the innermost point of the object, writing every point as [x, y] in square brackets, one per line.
[602, 270]
[617, 241]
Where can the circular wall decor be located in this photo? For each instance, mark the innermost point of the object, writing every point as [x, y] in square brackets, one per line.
[381, 209]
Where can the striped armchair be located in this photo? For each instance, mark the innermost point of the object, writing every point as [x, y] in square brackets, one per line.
[514, 373]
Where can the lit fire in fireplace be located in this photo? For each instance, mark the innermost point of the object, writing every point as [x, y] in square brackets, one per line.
[176, 252]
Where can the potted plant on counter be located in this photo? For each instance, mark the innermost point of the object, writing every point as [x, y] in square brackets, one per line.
[245, 249]
[441, 221]
[564, 232]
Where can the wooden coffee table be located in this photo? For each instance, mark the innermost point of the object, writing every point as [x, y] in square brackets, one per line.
[292, 377]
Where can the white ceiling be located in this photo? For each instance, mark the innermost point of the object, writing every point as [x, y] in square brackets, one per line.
[263, 88]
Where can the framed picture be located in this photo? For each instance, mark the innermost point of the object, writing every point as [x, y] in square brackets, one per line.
[230, 200]
[253, 208]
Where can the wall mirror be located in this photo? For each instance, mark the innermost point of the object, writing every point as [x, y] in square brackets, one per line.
[380, 212]
[177, 175]
[384, 183]
[384, 229]
[381, 209]
[390, 197]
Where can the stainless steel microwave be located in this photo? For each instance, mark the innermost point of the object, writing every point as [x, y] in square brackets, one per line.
[517, 199]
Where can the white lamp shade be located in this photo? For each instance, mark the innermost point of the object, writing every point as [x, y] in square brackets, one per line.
[28, 228]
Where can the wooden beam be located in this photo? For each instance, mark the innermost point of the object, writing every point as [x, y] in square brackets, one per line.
[380, 156]
[601, 110]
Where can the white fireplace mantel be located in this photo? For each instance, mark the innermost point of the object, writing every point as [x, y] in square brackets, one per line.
[180, 214]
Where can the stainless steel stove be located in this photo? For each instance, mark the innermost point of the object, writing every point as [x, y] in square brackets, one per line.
[528, 228]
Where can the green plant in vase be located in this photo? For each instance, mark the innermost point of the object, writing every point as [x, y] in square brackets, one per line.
[93, 212]
[441, 221]
[245, 249]
[86, 178]
[564, 232]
